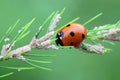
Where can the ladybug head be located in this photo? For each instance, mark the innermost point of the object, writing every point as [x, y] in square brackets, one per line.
[59, 36]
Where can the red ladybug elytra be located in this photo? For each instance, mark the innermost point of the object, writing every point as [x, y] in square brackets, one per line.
[71, 35]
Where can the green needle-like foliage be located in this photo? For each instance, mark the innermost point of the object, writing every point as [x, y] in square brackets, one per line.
[6, 75]
[24, 31]
[38, 61]
[37, 66]
[9, 31]
[18, 68]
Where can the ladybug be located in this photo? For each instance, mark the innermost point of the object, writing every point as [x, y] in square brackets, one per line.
[71, 35]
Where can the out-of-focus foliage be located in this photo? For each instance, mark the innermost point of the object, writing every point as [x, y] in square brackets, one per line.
[72, 64]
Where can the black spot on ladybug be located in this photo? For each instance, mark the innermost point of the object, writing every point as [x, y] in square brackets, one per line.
[72, 33]
[83, 36]
[71, 43]
[68, 25]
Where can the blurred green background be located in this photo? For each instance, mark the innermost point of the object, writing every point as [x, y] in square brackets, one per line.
[72, 64]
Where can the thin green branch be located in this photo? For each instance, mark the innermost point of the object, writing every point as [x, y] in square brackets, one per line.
[5, 75]
[92, 34]
[24, 35]
[7, 56]
[9, 31]
[42, 55]
[22, 32]
[18, 68]
[12, 28]
[63, 10]
[38, 61]
[25, 29]
[46, 21]
[39, 67]
[92, 19]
